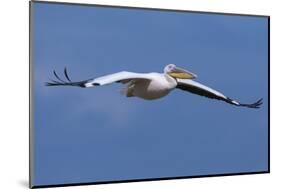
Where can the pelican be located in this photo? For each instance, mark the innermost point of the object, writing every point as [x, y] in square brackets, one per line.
[150, 86]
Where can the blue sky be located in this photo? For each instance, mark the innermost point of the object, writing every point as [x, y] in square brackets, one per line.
[96, 134]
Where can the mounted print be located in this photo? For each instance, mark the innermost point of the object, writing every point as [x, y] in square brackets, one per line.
[122, 94]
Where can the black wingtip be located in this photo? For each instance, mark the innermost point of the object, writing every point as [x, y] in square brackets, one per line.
[255, 105]
[56, 75]
[61, 82]
[66, 75]
[50, 84]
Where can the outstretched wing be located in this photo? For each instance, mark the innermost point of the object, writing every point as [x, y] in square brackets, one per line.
[122, 77]
[200, 89]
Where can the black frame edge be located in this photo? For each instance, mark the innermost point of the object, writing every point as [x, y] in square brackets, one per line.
[268, 61]
[149, 180]
[30, 99]
[147, 8]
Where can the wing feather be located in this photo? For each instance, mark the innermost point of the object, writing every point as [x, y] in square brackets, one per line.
[122, 77]
[202, 90]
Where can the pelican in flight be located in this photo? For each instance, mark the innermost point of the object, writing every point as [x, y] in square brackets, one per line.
[150, 86]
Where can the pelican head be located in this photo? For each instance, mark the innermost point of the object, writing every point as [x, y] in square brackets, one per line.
[176, 72]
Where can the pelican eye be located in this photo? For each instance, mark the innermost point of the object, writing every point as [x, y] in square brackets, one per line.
[171, 67]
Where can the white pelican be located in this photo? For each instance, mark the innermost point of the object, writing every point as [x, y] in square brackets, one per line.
[153, 85]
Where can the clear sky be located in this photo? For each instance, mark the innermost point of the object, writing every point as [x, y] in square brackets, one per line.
[96, 134]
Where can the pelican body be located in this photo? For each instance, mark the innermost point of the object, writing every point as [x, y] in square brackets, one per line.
[151, 86]
[158, 86]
